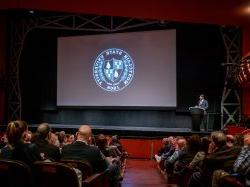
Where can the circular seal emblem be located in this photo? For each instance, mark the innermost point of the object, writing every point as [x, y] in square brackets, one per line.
[113, 69]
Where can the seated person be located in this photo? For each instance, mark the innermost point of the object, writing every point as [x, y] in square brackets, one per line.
[115, 145]
[46, 149]
[220, 157]
[102, 144]
[81, 149]
[16, 148]
[179, 150]
[196, 163]
[188, 153]
[166, 145]
[242, 163]
[165, 155]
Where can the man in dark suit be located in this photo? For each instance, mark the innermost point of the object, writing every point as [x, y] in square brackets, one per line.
[203, 104]
[46, 149]
[81, 149]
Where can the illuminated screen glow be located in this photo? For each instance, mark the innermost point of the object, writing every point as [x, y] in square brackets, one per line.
[145, 77]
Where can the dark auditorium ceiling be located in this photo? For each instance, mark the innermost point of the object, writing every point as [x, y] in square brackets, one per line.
[232, 12]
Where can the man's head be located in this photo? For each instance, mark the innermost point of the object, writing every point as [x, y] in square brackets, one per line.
[181, 143]
[219, 139]
[230, 140]
[202, 96]
[84, 133]
[43, 130]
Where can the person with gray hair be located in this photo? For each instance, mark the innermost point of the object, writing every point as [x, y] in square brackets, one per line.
[220, 157]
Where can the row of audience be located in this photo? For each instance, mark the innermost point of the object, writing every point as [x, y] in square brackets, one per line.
[20, 144]
[204, 161]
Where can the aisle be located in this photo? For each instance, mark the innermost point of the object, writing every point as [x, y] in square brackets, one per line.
[142, 173]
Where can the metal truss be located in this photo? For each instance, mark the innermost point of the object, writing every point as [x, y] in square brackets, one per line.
[230, 102]
[21, 27]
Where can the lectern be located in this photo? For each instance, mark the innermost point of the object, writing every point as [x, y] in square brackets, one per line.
[196, 114]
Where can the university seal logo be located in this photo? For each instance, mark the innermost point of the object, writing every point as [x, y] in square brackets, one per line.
[113, 69]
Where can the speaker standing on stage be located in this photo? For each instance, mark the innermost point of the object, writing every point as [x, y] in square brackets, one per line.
[204, 105]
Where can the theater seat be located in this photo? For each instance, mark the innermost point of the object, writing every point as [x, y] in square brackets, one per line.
[15, 174]
[51, 174]
[230, 181]
[83, 165]
[97, 180]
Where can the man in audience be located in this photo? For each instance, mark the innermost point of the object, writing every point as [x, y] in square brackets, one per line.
[220, 157]
[242, 163]
[179, 150]
[166, 154]
[81, 149]
[165, 146]
[230, 140]
[46, 149]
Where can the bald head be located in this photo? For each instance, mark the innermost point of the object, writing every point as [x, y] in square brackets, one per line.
[43, 130]
[84, 133]
[181, 143]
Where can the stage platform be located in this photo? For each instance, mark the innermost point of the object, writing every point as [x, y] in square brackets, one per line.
[127, 131]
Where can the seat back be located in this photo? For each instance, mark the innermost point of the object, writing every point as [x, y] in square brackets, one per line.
[15, 173]
[51, 174]
[83, 165]
[97, 180]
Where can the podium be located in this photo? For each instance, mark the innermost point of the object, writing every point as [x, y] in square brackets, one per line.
[196, 114]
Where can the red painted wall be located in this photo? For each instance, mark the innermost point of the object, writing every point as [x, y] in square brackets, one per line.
[2, 65]
[141, 148]
[246, 87]
[206, 11]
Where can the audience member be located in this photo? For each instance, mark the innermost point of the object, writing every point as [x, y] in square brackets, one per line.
[230, 140]
[102, 144]
[61, 136]
[242, 163]
[27, 137]
[3, 140]
[81, 149]
[188, 153]
[166, 146]
[179, 150]
[197, 162]
[46, 149]
[220, 157]
[164, 156]
[16, 148]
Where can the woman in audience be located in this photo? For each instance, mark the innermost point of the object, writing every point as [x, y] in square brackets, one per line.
[16, 148]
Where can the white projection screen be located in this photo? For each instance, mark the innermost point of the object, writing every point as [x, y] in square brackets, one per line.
[121, 69]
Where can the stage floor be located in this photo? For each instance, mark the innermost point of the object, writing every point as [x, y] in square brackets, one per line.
[127, 131]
